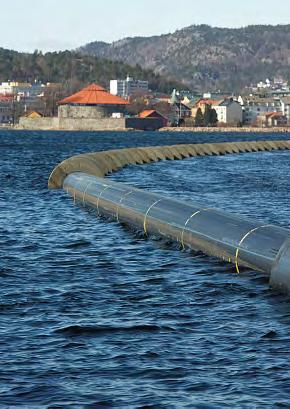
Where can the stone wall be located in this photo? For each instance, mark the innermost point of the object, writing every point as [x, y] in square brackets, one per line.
[72, 124]
[38, 123]
[89, 112]
[89, 124]
[104, 124]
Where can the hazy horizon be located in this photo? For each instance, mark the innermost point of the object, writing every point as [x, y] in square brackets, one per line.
[55, 25]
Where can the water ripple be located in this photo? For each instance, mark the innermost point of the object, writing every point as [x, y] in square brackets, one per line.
[94, 315]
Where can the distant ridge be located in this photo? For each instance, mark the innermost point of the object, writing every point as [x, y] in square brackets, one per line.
[73, 69]
[205, 57]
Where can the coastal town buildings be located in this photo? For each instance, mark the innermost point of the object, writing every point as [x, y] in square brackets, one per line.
[92, 109]
[181, 111]
[128, 87]
[30, 96]
[95, 108]
[15, 88]
[229, 112]
[152, 113]
[201, 104]
[270, 85]
[92, 102]
[254, 106]
[271, 119]
[6, 109]
[26, 89]
[285, 105]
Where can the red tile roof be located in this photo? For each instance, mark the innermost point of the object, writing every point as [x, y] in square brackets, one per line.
[207, 101]
[93, 95]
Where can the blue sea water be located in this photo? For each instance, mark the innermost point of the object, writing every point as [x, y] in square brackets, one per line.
[92, 315]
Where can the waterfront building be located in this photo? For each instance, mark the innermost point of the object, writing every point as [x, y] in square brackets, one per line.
[15, 88]
[181, 111]
[229, 112]
[271, 119]
[92, 102]
[253, 106]
[152, 113]
[128, 87]
[285, 104]
[202, 103]
[91, 109]
[6, 109]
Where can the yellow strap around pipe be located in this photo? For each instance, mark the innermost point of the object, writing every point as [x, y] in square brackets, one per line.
[241, 242]
[186, 223]
[145, 218]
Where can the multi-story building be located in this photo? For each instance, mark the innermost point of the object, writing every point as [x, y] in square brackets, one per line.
[285, 104]
[229, 112]
[6, 109]
[254, 106]
[202, 104]
[128, 87]
[15, 88]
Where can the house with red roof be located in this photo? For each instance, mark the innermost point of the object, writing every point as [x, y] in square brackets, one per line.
[92, 102]
[152, 113]
[201, 104]
[270, 119]
[93, 109]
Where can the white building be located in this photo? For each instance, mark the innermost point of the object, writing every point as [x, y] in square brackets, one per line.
[15, 88]
[229, 112]
[129, 86]
[25, 89]
[255, 106]
[285, 104]
[266, 84]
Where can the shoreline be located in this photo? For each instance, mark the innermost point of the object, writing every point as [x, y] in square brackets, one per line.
[165, 129]
[225, 129]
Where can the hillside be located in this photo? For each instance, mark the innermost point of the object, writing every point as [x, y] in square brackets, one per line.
[73, 69]
[206, 57]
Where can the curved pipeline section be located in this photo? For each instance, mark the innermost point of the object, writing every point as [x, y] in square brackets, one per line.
[262, 247]
[101, 163]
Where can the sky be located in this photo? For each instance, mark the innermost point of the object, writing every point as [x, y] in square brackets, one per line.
[49, 25]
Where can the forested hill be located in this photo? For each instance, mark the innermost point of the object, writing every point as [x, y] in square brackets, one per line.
[207, 57]
[73, 69]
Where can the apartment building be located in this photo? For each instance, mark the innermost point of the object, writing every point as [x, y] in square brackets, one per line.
[128, 87]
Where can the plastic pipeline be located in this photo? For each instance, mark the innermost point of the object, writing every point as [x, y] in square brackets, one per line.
[262, 247]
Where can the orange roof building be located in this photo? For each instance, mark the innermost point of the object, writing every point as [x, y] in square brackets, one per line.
[92, 102]
[93, 95]
[152, 113]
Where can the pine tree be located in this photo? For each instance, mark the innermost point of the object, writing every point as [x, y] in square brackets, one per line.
[207, 115]
[199, 119]
[213, 117]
